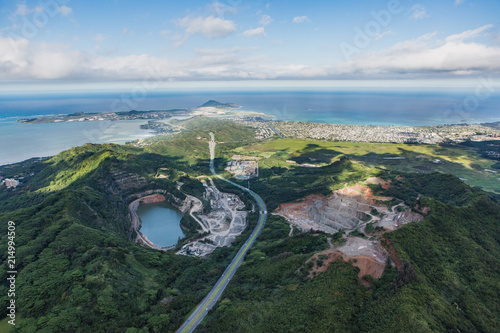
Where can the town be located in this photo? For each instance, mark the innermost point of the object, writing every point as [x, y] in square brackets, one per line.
[364, 133]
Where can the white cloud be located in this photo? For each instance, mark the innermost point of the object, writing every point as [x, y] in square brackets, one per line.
[300, 19]
[23, 59]
[219, 51]
[210, 27]
[469, 34]
[165, 33]
[430, 56]
[21, 10]
[266, 20]
[459, 2]
[64, 10]
[220, 9]
[427, 56]
[255, 32]
[383, 34]
[99, 38]
[27, 60]
[418, 12]
[125, 31]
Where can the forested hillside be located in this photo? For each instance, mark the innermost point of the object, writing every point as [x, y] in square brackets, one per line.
[449, 281]
[79, 271]
[77, 267]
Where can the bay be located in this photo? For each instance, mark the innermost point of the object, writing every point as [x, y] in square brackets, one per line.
[19, 142]
[355, 107]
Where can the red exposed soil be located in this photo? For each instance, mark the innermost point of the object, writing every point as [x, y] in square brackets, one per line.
[154, 198]
[375, 180]
[366, 264]
[361, 192]
[388, 246]
[331, 257]
[309, 200]
[423, 209]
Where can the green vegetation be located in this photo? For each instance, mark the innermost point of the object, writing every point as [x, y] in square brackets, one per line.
[190, 146]
[370, 228]
[77, 267]
[456, 160]
[79, 271]
[445, 188]
[455, 253]
[280, 185]
[448, 280]
[4, 325]
[357, 233]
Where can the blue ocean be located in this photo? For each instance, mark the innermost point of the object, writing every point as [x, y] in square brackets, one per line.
[409, 108]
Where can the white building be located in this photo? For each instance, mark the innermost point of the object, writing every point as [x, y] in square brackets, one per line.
[11, 183]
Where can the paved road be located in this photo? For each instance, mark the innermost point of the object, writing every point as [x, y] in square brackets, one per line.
[275, 130]
[209, 301]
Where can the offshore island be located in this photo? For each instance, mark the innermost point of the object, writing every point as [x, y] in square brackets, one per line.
[343, 227]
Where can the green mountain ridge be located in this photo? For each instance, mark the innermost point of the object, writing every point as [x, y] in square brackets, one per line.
[79, 271]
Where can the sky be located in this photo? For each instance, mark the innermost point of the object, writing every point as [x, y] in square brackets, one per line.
[106, 43]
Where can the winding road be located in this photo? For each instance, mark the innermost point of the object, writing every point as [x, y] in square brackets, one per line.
[209, 301]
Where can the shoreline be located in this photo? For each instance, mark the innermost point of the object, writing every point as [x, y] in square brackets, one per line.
[268, 128]
[46, 140]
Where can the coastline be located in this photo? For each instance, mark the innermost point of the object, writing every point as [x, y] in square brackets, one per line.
[24, 142]
[21, 142]
[57, 131]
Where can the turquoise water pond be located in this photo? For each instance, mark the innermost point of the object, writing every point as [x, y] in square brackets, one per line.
[160, 223]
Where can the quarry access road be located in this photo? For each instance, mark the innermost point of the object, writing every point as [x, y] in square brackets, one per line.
[209, 301]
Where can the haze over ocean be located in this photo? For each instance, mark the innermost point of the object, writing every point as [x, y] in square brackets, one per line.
[408, 108]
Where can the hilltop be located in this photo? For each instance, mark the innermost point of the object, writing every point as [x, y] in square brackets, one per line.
[219, 105]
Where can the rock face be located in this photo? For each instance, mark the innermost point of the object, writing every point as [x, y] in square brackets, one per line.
[343, 209]
[353, 209]
[121, 181]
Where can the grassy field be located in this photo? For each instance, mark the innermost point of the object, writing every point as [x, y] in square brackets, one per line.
[459, 161]
[4, 325]
[191, 146]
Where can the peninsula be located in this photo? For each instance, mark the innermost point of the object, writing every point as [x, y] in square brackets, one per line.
[209, 108]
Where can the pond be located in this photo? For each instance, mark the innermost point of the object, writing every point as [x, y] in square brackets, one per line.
[160, 223]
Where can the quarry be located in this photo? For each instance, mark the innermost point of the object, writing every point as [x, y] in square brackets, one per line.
[347, 209]
[361, 216]
[225, 220]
